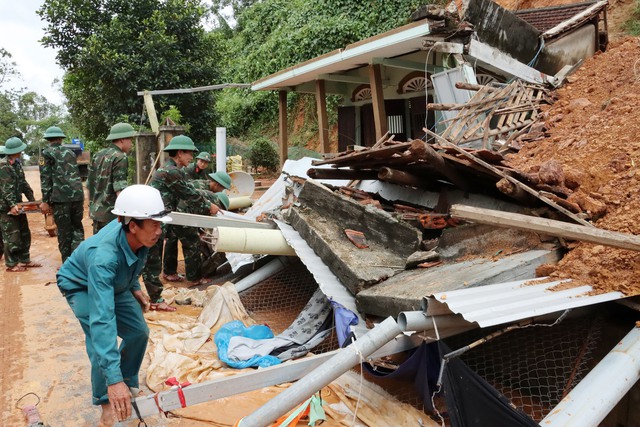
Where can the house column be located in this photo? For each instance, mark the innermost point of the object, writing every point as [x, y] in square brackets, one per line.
[377, 98]
[283, 139]
[323, 123]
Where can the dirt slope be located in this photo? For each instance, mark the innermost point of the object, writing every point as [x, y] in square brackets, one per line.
[596, 131]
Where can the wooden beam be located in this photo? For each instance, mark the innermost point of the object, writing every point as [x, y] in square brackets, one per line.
[283, 139]
[547, 226]
[511, 179]
[377, 97]
[346, 78]
[323, 121]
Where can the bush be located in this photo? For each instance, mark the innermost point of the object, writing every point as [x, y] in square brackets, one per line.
[263, 153]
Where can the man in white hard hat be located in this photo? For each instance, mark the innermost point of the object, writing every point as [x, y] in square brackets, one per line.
[100, 281]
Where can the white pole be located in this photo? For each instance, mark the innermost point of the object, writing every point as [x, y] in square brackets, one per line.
[346, 359]
[597, 394]
[264, 272]
[221, 149]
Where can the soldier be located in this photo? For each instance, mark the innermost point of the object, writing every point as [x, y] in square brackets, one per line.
[14, 225]
[174, 186]
[200, 168]
[108, 174]
[211, 190]
[215, 182]
[62, 192]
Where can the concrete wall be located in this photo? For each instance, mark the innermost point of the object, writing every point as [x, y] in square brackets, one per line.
[568, 50]
[515, 36]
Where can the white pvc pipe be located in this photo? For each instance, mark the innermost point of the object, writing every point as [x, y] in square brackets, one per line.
[264, 272]
[324, 374]
[239, 202]
[251, 241]
[597, 394]
[419, 321]
[221, 149]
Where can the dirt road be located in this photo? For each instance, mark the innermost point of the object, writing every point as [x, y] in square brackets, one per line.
[42, 349]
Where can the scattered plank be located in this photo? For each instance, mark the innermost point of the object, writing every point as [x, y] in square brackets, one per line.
[550, 227]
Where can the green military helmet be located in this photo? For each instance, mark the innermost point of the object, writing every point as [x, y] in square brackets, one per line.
[54, 132]
[181, 142]
[204, 156]
[121, 131]
[14, 145]
[2, 152]
[224, 199]
[221, 178]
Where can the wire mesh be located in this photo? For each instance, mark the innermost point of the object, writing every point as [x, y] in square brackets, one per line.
[534, 367]
[277, 300]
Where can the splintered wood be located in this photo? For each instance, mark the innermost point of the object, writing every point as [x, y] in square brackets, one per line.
[494, 113]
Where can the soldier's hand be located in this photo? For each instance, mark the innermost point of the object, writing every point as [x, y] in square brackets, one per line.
[45, 208]
[14, 210]
[214, 209]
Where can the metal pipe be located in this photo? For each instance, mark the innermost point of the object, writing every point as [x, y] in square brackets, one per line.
[267, 270]
[344, 360]
[221, 149]
[251, 241]
[597, 394]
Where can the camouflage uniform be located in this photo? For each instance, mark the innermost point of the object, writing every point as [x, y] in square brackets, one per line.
[170, 259]
[192, 171]
[173, 186]
[15, 228]
[107, 176]
[62, 190]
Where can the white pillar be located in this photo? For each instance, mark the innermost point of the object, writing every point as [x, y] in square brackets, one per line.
[221, 149]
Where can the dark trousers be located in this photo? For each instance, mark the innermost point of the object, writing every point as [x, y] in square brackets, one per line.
[17, 238]
[68, 218]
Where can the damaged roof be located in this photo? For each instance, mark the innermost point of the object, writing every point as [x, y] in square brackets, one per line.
[546, 18]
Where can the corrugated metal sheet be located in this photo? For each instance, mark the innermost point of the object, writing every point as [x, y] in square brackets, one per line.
[272, 199]
[510, 302]
[328, 282]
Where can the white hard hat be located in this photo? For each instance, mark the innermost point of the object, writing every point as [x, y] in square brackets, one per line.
[141, 202]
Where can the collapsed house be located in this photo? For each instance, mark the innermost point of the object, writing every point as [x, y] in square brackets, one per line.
[435, 237]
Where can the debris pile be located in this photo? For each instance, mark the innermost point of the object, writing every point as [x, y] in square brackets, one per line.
[593, 131]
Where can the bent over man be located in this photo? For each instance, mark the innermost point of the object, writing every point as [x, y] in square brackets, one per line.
[62, 192]
[100, 282]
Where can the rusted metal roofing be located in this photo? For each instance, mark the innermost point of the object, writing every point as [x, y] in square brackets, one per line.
[513, 301]
[545, 18]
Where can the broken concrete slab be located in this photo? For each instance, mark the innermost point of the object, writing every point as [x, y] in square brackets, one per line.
[405, 290]
[321, 220]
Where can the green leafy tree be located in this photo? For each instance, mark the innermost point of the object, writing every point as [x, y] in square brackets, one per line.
[263, 153]
[111, 49]
[271, 35]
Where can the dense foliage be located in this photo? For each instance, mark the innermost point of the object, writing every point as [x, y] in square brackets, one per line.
[271, 35]
[111, 49]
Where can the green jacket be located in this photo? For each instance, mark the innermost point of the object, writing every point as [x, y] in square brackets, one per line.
[59, 175]
[12, 185]
[192, 171]
[202, 187]
[107, 176]
[174, 187]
